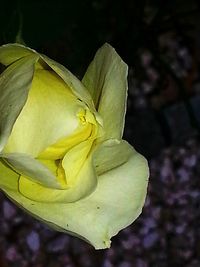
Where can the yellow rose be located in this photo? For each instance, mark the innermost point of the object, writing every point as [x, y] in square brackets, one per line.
[62, 157]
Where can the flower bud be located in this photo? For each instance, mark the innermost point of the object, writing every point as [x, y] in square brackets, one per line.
[62, 157]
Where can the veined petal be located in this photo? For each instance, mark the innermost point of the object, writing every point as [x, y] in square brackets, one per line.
[116, 203]
[28, 166]
[49, 114]
[10, 53]
[106, 80]
[15, 83]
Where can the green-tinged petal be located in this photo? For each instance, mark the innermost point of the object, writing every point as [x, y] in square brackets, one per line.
[28, 166]
[8, 177]
[116, 203]
[50, 113]
[10, 53]
[111, 154]
[106, 80]
[15, 83]
[72, 82]
[86, 183]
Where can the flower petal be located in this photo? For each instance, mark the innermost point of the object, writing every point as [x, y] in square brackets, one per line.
[72, 82]
[86, 182]
[49, 114]
[116, 203]
[77, 171]
[9, 178]
[60, 148]
[106, 80]
[28, 166]
[10, 53]
[111, 154]
[15, 83]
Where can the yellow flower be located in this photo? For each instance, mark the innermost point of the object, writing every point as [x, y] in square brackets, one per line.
[62, 157]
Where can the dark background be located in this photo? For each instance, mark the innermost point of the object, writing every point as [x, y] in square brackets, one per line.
[160, 41]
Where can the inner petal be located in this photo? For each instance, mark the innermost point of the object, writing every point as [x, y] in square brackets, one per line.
[49, 114]
[87, 129]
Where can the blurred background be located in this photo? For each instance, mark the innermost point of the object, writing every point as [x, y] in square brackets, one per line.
[160, 41]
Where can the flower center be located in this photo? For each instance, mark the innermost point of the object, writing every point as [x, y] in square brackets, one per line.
[56, 154]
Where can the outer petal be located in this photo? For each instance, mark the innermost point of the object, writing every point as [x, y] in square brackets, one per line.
[116, 203]
[15, 83]
[10, 53]
[111, 154]
[72, 82]
[106, 79]
[9, 178]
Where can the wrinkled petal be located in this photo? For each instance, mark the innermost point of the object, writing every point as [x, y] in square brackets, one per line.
[15, 83]
[49, 114]
[116, 203]
[106, 80]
